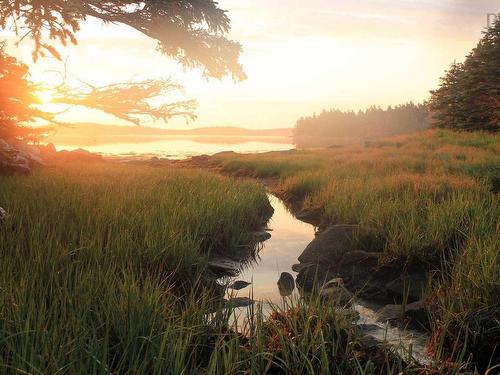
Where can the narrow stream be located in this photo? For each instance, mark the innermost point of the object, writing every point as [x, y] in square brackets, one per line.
[290, 237]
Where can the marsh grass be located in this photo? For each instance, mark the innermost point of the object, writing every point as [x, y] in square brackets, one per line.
[425, 200]
[103, 267]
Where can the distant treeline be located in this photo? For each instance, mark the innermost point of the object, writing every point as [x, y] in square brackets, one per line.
[335, 126]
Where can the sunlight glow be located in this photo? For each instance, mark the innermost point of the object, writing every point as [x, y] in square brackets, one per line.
[45, 96]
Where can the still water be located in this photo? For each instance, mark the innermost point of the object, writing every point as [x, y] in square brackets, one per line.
[290, 237]
[184, 147]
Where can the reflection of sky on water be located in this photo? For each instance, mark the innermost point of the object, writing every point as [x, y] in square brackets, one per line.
[289, 238]
[177, 148]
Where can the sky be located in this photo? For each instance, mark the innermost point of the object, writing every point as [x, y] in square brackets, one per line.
[300, 57]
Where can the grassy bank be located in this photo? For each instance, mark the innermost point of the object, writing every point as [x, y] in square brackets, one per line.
[103, 270]
[426, 201]
[95, 258]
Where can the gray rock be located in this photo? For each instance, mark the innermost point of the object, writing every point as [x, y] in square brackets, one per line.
[261, 236]
[239, 284]
[358, 264]
[286, 284]
[412, 285]
[300, 266]
[394, 312]
[330, 245]
[236, 302]
[224, 266]
[335, 289]
[312, 277]
[14, 160]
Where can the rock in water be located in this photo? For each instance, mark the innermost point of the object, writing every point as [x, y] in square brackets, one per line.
[261, 236]
[335, 289]
[239, 284]
[286, 284]
[224, 266]
[330, 245]
[236, 302]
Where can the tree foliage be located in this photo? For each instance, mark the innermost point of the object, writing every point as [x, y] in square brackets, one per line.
[17, 99]
[373, 122]
[191, 31]
[20, 104]
[469, 94]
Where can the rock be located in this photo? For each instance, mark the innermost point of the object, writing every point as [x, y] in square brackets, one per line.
[3, 215]
[239, 284]
[411, 285]
[394, 312]
[224, 266]
[312, 277]
[261, 236]
[14, 159]
[390, 312]
[310, 216]
[286, 284]
[236, 302]
[334, 289]
[300, 266]
[330, 245]
[358, 265]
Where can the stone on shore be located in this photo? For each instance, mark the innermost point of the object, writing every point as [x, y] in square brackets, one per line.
[330, 245]
[286, 284]
[237, 302]
[239, 284]
[224, 266]
[411, 285]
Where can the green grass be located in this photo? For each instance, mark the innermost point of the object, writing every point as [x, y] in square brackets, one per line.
[103, 270]
[423, 199]
[103, 266]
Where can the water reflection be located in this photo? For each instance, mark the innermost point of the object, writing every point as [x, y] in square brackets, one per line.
[278, 254]
[181, 148]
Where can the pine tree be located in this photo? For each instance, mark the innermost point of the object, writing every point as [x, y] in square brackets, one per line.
[469, 94]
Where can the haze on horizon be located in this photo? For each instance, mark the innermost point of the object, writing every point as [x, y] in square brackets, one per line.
[300, 57]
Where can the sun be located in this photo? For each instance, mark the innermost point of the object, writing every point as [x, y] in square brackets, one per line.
[45, 96]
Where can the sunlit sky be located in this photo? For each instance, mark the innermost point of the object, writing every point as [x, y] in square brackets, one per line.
[300, 57]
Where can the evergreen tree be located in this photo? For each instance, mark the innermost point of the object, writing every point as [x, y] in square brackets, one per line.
[469, 94]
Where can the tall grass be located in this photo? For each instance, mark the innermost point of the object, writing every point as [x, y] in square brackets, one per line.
[103, 266]
[103, 270]
[425, 199]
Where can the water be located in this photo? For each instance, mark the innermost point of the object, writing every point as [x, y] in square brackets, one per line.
[289, 238]
[183, 147]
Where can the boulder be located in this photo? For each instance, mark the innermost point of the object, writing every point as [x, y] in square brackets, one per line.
[300, 266]
[224, 266]
[411, 285]
[312, 277]
[330, 245]
[358, 264]
[310, 216]
[394, 312]
[15, 160]
[334, 289]
[261, 236]
[236, 302]
[286, 284]
[239, 284]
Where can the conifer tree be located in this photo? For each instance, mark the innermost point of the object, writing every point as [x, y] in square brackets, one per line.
[468, 98]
